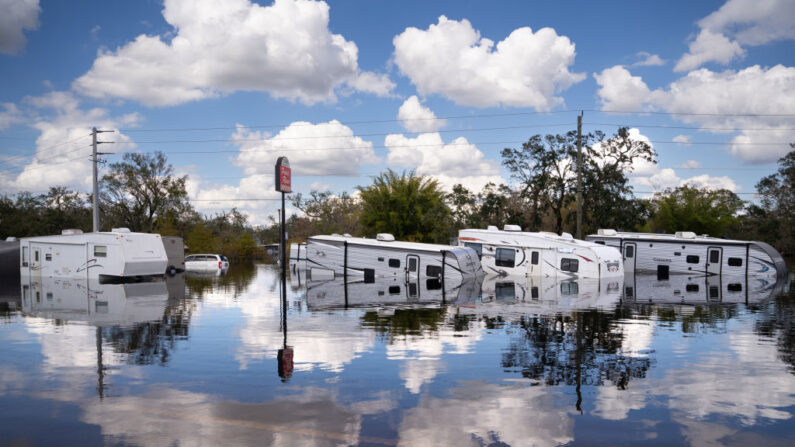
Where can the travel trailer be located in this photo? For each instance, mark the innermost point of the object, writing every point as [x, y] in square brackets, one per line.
[540, 255]
[360, 259]
[107, 255]
[390, 292]
[687, 253]
[175, 250]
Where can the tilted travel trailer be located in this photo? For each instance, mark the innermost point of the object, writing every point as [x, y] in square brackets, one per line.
[389, 292]
[538, 255]
[360, 259]
[687, 253]
[106, 255]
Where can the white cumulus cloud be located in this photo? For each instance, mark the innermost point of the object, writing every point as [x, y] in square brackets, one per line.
[17, 15]
[757, 101]
[451, 59]
[285, 49]
[648, 60]
[417, 118]
[736, 24]
[682, 139]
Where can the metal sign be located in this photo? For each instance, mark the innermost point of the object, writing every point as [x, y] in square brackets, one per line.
[283, 175]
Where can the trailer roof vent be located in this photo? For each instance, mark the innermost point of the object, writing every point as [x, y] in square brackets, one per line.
[512, 228]
[492, 228]
[71, 231]
[685, 235]
[567, 236]
[385, 237]
[606, 232]
[347, 235]
[120, 230]
[11, 239]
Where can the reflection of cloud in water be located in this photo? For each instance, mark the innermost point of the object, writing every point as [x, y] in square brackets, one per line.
[483, 413]
[172, 417]
[327, 341]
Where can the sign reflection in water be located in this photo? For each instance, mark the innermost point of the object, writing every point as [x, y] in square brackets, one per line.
[505, 361]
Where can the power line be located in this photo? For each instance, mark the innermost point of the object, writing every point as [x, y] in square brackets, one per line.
[728, 129]
[646, 112]
[39, 151]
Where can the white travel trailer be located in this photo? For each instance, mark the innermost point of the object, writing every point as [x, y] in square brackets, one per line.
[687, 253]
[360, 259]
[106, 255]
[297, 256]
[540, 255]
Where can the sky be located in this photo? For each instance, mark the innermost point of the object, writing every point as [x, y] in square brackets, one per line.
[348, 89]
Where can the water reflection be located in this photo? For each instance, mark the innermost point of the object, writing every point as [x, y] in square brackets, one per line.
[502, 361]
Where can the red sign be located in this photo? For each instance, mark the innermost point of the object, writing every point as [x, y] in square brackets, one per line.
[283, 175]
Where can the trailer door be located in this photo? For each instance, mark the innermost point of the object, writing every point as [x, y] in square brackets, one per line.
[535, 263]
[714, 260]
[413, 275]
[630, 254]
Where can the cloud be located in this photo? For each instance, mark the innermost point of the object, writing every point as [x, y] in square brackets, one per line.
[738, 23]
[451, 59]
[18, 15]
[648, 60]
[285, 49]
[708, 47]
[456, 162]
[63, 145]
[417, 118]
[313, 149]
[682, 139]
[690, 164]
[758, 101]
[9, 115]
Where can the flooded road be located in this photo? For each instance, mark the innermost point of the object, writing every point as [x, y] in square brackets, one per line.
[207, 360]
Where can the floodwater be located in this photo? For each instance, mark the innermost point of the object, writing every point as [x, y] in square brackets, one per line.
[206, 360]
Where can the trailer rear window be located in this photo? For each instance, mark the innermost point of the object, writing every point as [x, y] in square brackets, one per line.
[394, 263]
[569, 265]
[475, 246]
[692, 259]
[506, 257]
[735, 262]
[100, 251]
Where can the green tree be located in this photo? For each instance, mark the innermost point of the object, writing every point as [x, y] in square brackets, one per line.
[688, 208]
[408, 206]
[141, 189]
[329, 212]
[201, 240]
[773, 220]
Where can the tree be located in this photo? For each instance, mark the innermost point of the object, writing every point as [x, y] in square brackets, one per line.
[688, 208]
[201, 240]
[773, 220]
[141, 189]
[330, 213]
[408, 206]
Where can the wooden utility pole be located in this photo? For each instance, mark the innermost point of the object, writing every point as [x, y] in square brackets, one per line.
[579, 175]
[95, 160]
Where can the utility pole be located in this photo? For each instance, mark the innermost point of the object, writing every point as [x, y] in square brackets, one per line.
[579, 175]
[94, 160]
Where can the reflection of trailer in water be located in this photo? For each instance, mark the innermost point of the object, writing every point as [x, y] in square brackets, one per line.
[93, 302]
[297, 256]
[336, 293]
[516, 294]
[698, 289]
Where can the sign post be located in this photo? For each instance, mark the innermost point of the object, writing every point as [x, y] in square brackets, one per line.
[283, 180]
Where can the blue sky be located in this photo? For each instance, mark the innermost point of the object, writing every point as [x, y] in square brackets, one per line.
[347, 89]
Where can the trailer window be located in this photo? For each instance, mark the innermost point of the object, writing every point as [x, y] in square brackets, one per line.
[35, 256]
[100, 251]
[569, 265]
[505, 291]
[691, 288]
[735, 262]
[534, 258]
[714, 256]
[600, 242]
[48, 256]
[475, 246]
[629, 251]
[506, 257]
[394, 290]
[692, 259]
[534, 293]
[433, 271]
[24, 256]
[394, 263]
[569, 288]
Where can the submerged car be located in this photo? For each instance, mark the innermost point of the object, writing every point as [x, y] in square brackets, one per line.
[206, 263]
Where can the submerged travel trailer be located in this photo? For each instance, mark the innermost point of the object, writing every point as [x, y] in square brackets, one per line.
[648, 289]
[107, 255]
[360, 259]
[687, 253]
[538, 255]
